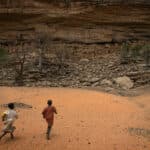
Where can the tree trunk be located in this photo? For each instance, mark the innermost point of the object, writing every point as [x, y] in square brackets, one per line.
[40, 59]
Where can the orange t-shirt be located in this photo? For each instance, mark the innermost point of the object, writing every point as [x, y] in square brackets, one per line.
[48, 114]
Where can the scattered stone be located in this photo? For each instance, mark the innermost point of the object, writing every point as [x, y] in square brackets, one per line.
[86, 84]
[109, 89]
[140, 132]
[93, 80]
[28, 85]
[84, 60]
[106, 82]
[107, 45]
[78, 74]
[52, 56]
[95, 84]
[82, 80]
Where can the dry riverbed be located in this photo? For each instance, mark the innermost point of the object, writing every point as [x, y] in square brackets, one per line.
[86, 120]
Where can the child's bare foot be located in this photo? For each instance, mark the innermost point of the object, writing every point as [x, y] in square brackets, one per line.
[47, 137]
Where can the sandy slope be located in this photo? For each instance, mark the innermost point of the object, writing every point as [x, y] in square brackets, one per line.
[87, 120]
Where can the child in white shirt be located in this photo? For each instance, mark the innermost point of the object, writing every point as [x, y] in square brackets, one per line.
[9, 118]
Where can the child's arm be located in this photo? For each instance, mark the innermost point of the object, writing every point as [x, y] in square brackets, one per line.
[55, 111]
[43, 112]
[16, 115]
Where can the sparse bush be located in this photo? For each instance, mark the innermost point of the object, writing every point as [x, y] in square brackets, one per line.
[67, 3]
[3, 56]
[63, 55]
[3, 61]
[99, 2]
[135, 52]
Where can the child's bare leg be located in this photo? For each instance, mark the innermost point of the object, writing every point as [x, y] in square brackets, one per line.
[12, 131]
[2, 135]
[11, 135]
[48, 131]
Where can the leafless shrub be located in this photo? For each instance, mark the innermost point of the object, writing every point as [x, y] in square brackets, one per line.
[18, 59]
[42, 44]
[135, 53]
[130, 53]
[124, 54]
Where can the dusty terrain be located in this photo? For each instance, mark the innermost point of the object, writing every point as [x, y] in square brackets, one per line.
[86, 120]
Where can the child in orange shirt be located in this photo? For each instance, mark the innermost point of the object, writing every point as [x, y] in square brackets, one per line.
[48, 115]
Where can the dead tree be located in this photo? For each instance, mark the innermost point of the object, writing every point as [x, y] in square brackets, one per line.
[42, 43]
[3, 54]
[124, 54]
[20, 59]
[147, 55]
[3, 61]
[99, 2]
[67, 3]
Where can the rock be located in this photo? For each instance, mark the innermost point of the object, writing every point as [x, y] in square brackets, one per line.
[82, 80]
[52, 56]
[109, 89]
[106, 82]
[124, 82]
[107, 45]
[28, 85]
[84, 60]
[95, 84]
[49, 83]
[116, 44]
[44, 83]
[86, 84]
[93, 80]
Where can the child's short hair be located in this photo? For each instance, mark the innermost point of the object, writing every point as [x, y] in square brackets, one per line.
[49, 102]
[11, 105]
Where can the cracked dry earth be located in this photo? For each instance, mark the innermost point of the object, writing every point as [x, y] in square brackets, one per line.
[86, 120]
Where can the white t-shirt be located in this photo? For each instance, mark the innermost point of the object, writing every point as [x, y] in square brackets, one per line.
[11, 115]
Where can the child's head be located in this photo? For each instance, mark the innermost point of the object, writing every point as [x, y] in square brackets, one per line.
[11, 106]
[49, 102]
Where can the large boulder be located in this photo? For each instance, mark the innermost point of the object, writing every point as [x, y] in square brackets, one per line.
[124, 82]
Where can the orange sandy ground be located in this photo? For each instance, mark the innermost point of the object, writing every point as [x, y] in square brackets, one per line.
[86, 120]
